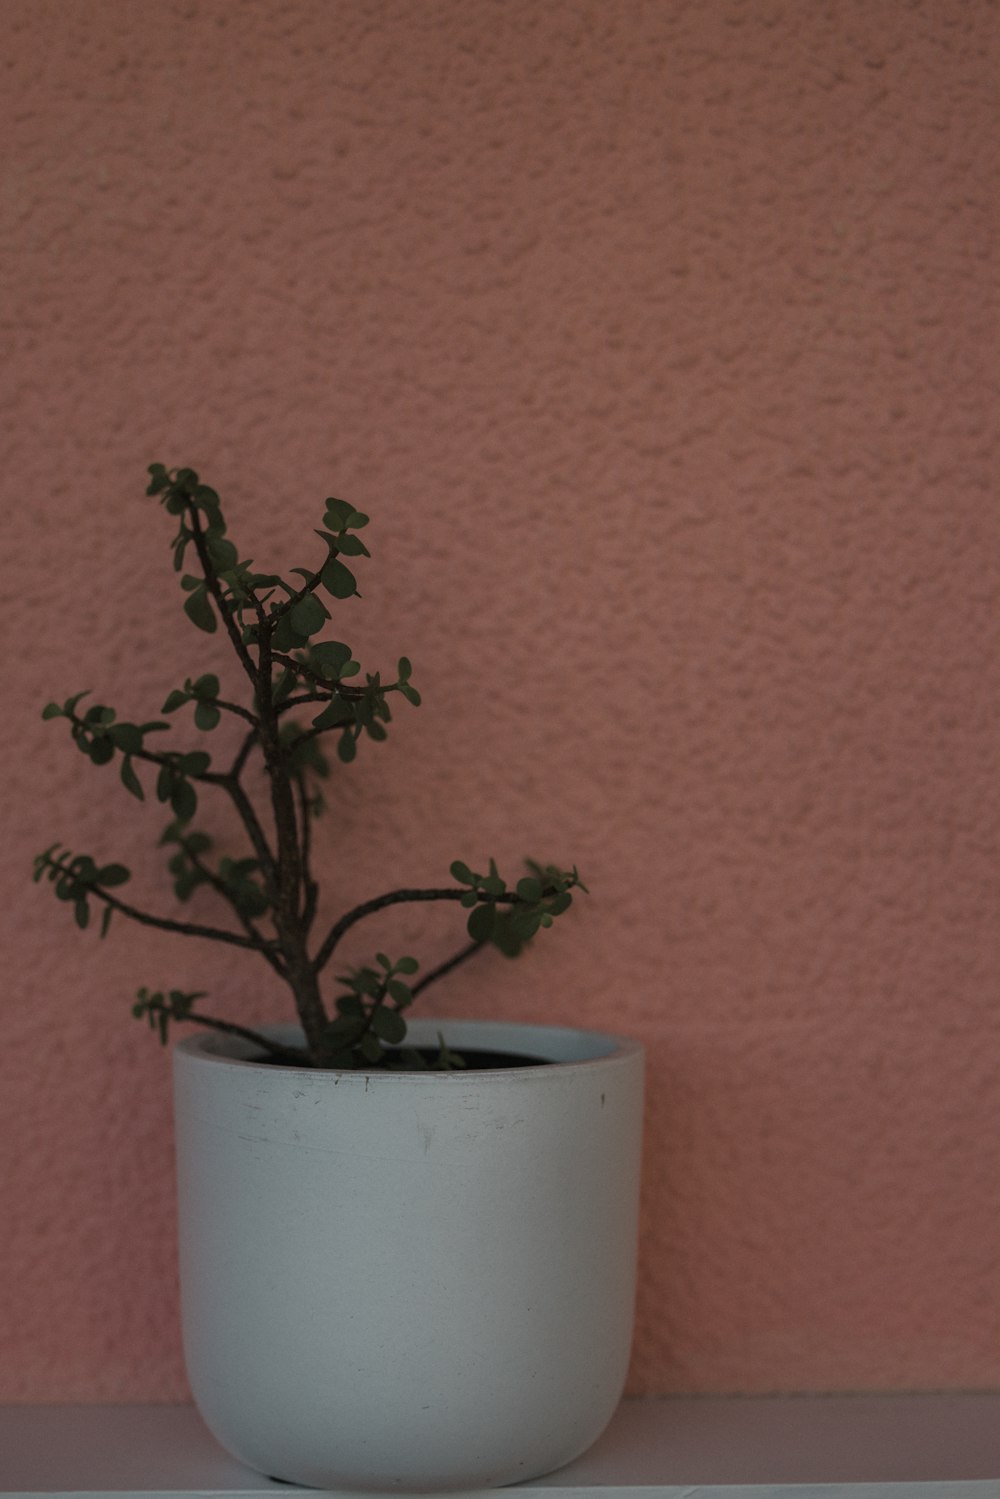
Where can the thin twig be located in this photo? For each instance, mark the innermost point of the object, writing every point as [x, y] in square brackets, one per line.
[439, 972]
[310, 888]
[255, 832]
[242, 754]
[380, 902]
[308, 587]
[165, 924]
[296, 1054]
[218, 885]
[218, 702]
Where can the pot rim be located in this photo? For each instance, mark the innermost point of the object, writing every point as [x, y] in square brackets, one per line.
[575, 1048]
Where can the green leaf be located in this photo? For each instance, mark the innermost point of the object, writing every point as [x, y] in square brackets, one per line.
[338, 514]
[164, 783]
[126, 737]
[329, 657]
[81, 912]
[251, 900]
[404, 670]
[101, 751]
[462, 873]
[388, 1025]
[407, 965]
[183, 800]
[206, 716]
[222, 554]
[481, 921]
[200, 843]
[106, 920]
[337, 714]
[309, 615]
[530, 889]
[526, 923]
[206, 686]
[112, 874]
[410, 693]
[338, 580]
[347, 747]
[352, 546]
[200, 612]
[53, 710]
[195, 763]
[370, 1048]
[508, 937]
[400, 992]
[286, 637]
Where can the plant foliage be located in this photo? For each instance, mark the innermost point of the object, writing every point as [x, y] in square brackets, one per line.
[299, 688]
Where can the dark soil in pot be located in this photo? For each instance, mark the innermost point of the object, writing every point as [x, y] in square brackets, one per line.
[475, 1061]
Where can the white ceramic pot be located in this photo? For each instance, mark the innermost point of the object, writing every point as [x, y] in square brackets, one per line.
[409, 1281]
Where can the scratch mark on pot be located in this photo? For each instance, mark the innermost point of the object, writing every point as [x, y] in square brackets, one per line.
[602, 1100]
[296, 1143]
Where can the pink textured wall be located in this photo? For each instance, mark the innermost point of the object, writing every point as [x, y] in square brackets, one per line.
[660, 342]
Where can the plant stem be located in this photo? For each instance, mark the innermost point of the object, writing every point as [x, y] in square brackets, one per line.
[379, 903]
[255, 833]
[439, 972]
[212, 582]
[296, 1054]
[185, 928]
[289, 905]
[219, 887]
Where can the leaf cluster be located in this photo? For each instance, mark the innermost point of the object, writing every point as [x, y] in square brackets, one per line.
[77, 879]
[369, 1013]
[509, 920]
[160, 1009]
[99, 735]
[274, 624]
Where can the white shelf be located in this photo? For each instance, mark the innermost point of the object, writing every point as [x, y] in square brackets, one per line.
[837, 1447]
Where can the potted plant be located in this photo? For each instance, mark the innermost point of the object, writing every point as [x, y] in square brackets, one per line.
[407, 1247]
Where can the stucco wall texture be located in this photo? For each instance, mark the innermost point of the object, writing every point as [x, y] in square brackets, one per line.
[660, 342]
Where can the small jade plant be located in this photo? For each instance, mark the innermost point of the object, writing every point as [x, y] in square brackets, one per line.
[298, 689]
